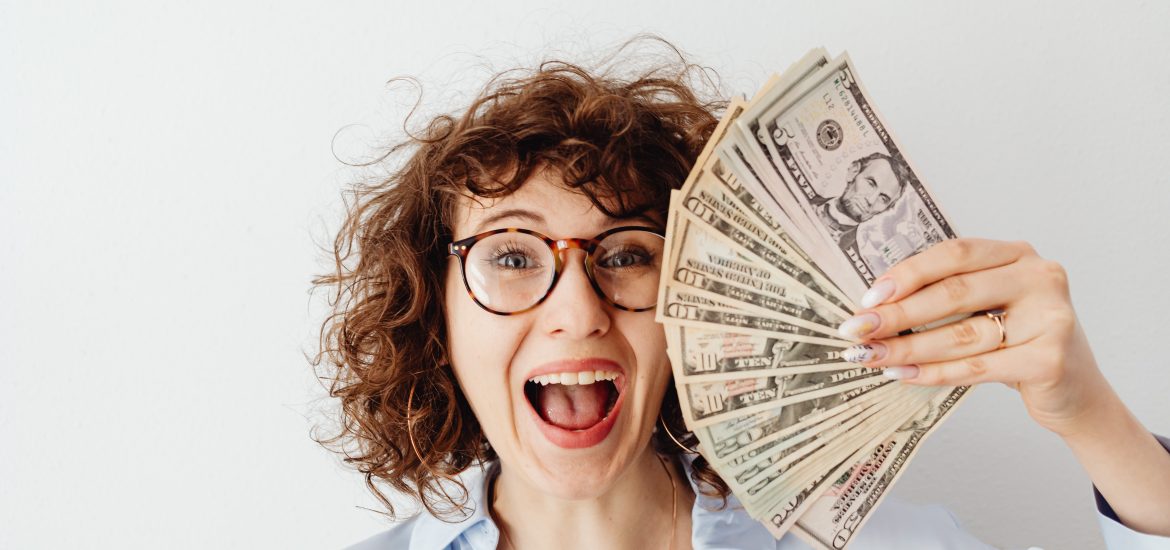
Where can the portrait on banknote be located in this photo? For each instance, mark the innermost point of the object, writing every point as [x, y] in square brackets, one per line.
[873, 184]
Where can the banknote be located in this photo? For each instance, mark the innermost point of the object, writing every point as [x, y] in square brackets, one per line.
[708, 266]
[838, 513]
[757, 245]
[725, 251]
[785, 479]
[809, 418]
[850, 176]
[742, 149]
[740, 438]
[744, 473]
[782, 518]
[709, 402]
[685, 308]
[730, 277]
[798, 202]
[707, 355]
[711, 198]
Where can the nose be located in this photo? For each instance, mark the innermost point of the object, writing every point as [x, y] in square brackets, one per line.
[573, 309]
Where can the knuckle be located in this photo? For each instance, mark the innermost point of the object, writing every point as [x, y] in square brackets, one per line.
[1061, 320]
[1025, 248]
[964, 334]
[956, 289]
[1054, 274]
[976, 366]
[960, 250]
[905, 273]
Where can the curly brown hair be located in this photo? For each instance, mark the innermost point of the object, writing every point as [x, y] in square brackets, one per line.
[625, 142]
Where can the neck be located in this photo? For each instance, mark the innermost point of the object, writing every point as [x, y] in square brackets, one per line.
[635, 513]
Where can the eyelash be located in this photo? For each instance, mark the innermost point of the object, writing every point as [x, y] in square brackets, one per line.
[507, 249]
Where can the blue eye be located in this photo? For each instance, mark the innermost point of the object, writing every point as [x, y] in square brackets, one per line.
[510, 257]
[626, 257]
[513, 261]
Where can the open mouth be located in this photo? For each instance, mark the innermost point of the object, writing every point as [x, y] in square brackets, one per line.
[574, 401]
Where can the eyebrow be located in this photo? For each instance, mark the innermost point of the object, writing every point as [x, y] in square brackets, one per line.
[535, 217]
[518, 213]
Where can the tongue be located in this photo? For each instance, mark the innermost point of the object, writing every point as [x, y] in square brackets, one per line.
[573, 407]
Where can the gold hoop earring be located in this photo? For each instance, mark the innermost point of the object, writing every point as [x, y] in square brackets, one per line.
[410, 424]
[671, 436]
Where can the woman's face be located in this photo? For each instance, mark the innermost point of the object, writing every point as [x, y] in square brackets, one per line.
[569, 440]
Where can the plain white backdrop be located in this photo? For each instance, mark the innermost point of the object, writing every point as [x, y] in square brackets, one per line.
[167, 173]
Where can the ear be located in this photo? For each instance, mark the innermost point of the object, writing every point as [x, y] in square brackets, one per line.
[854, 169]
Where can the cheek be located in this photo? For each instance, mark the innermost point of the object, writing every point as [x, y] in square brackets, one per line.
[648, 340]
[479, 352]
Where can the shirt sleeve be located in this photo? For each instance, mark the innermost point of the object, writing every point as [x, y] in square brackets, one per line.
[1117, 536]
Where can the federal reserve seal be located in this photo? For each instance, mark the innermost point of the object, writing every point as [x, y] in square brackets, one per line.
[829, 135]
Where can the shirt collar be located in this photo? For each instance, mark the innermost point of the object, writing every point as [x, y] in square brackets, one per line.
[431, 532]
[711, 527]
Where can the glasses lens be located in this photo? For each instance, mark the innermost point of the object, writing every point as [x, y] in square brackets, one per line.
[626, 266]
[509, 272]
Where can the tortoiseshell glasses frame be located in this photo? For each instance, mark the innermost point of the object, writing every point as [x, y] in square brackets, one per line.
[462, 249]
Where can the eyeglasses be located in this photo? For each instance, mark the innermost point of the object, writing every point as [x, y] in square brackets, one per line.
[509, 271]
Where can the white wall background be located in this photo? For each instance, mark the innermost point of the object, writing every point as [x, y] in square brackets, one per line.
[166, 172]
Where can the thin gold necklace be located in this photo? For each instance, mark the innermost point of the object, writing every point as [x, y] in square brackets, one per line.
[673, 509]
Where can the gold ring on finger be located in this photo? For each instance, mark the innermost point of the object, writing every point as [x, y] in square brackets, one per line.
[997, 315]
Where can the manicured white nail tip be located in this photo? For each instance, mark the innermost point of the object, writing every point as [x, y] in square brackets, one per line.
[877, 294]
[585, 377]
[900, 373]
[569, 378]
[855, 327]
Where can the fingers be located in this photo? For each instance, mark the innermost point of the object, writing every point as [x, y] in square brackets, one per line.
[962, 293]
[997, 366]
[940, 261]
[960, 277]
[971, 336]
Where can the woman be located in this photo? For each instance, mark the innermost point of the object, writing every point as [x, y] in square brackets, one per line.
[524, 416]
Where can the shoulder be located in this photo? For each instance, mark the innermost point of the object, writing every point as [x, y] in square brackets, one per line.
[394, 538]
[424, 530]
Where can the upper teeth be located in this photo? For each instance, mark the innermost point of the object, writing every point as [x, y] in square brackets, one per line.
[571, 378]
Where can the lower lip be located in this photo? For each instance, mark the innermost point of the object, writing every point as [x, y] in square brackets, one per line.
[579, 439]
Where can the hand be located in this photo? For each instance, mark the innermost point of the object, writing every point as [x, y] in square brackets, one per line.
[1044, 354]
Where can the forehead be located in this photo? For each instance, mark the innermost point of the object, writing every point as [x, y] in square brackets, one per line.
[880, 170]
[544, 204]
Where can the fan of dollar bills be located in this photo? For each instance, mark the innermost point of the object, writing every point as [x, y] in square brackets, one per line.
[799, 201]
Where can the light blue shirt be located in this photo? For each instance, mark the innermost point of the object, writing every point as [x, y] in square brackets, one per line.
[894, 525]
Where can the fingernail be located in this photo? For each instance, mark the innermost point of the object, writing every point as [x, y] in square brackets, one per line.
[878, 293]
[864, 353]
[901, 373]
[858, 326]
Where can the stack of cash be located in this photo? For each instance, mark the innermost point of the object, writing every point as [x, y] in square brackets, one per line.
[800, 200]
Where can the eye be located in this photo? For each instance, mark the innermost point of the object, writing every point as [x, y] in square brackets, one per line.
[871, 181]
[513, 257]
[625, 257]
[884, 198]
